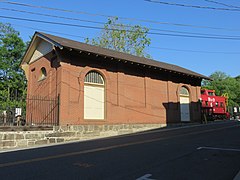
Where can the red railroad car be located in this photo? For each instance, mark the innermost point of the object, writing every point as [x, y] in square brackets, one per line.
[214, 107]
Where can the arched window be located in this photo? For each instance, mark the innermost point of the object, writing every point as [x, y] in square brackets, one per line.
[184, 91]
[94, 96]
[43, 74]
[94, 77]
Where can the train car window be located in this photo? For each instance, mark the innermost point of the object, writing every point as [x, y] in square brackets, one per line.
[210, 94]
[206, 103]
[221, 104]
[216, 104]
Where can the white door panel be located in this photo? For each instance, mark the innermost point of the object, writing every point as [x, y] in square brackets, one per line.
[93, 102]
[184, 107]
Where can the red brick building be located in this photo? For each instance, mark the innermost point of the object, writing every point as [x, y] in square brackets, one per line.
[101, 86]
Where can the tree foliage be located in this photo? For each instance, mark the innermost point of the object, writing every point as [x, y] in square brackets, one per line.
[124, 38]
[222, 83]
[237, 78]
[12, 79]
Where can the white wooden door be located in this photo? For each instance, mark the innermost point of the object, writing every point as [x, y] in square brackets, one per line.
[184, 106]
[93, 102]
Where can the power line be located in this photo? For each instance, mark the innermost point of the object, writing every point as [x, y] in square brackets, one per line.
[51, 22]
[223, 4]
[55, 9]
[153, 47]
[54, 16]
[193, 6]
[97, 22]
[194, 51]
[171, 49]
[44, 30]
[124, 18]
[100, 28]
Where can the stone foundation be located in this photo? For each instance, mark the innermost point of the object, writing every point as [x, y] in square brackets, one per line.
[28, 138]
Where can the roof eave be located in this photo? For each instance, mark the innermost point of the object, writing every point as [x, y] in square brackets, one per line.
[139, 63]
[56, 44]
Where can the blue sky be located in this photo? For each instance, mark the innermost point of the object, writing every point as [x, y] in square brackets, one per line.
[203, 55]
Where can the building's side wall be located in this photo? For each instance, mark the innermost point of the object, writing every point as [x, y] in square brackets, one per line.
[133, 95]
[47, 86]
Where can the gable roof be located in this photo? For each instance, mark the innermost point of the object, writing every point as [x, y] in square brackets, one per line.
[71, 44]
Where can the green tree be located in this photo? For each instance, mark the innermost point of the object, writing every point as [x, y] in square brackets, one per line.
[219, 76]
[238, 78]
[12, 79]
[222, 83]
[124, 38]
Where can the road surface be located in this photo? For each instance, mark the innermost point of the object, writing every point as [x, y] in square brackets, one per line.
[198, 152]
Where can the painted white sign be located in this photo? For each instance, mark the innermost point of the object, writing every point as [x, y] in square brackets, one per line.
[235, 109]
[4, 113]
[18, 112]
[211, 99]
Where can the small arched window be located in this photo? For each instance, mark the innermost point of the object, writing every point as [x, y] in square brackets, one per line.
[43, 73]
[184, 91]
[94, 77]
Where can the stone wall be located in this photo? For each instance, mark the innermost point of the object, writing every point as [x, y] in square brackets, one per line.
[26, 138]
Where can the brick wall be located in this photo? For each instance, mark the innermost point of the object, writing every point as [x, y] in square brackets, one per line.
[134, 94]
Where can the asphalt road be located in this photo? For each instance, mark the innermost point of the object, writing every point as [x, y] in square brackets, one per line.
[199, 152]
